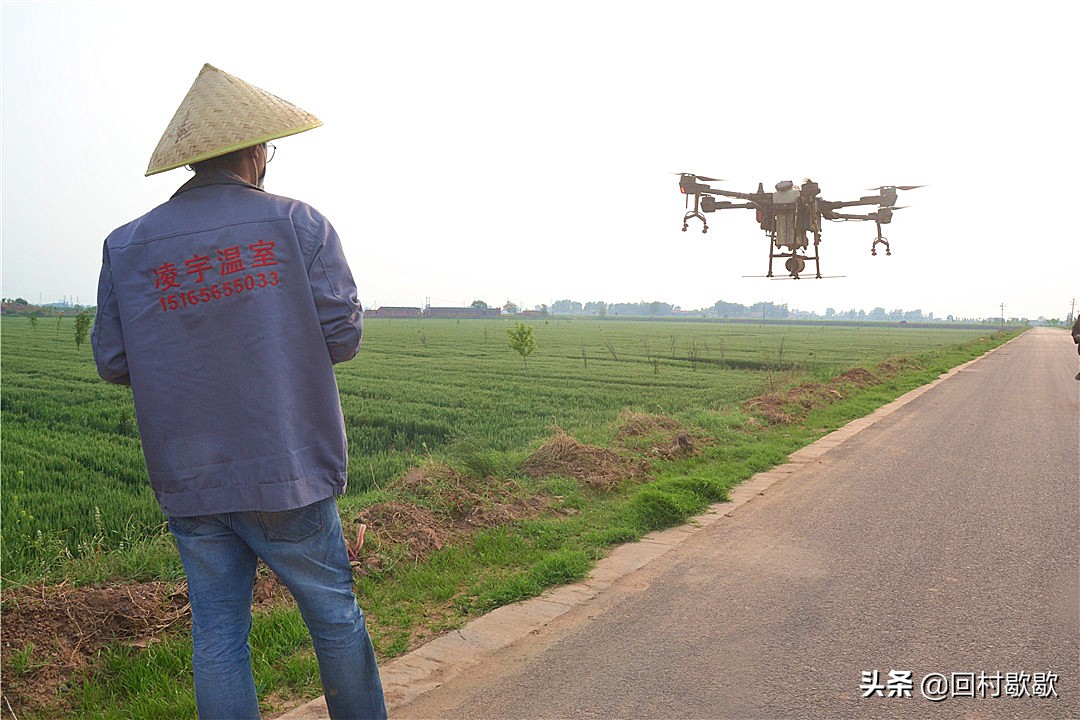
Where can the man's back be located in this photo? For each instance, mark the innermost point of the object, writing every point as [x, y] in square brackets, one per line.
[226, 308]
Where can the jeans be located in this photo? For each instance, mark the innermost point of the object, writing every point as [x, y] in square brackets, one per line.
[306, 549]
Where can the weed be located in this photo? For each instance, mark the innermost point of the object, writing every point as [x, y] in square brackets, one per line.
[21, 661]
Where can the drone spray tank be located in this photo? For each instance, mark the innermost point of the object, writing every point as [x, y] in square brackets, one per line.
[785, 206]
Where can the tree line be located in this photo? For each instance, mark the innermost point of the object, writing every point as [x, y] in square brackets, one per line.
[729, 310]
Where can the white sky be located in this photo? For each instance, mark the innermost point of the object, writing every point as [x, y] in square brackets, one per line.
[498, 150]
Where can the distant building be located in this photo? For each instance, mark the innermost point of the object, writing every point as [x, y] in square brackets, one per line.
[416, 313]
[461, 312]
[393, 312]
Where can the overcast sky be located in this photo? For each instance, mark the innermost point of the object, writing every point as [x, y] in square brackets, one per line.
[510, 151]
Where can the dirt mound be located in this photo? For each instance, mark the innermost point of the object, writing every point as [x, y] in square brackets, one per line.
[404, 529]
[859, 377]
[449, 506]
[813, 395]
[52, 632]
[679, 445]
[635, 424]
[563, 456]
[656, 436]
[474, 502]
[480, 502]
[792, 405]
[770, 408]
[894, 366]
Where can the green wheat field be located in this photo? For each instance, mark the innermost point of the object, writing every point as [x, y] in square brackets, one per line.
[73, 480]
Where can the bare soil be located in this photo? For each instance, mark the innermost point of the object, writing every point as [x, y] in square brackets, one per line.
[51, 633]
[440, 506]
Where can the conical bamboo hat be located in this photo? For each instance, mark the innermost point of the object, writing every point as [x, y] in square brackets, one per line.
[222, 113]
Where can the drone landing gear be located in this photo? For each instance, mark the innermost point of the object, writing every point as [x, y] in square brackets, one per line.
[699, 216]
[880, 240]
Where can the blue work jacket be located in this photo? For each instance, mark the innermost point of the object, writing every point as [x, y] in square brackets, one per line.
[225, 309]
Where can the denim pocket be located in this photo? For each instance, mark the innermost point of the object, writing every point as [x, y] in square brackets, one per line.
[292, 525]
[185, 525]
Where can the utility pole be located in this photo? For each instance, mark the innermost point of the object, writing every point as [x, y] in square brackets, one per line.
[1002, 314]
[1072, 311]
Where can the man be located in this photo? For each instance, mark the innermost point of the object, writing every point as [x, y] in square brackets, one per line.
[225, 309]
[1076, 338]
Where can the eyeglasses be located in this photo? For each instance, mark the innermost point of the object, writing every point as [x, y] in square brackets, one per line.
[269, 149]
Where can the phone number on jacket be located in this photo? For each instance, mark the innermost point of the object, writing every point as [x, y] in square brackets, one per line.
[209, 293]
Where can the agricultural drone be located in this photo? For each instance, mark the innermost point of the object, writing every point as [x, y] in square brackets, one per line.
[789, 214]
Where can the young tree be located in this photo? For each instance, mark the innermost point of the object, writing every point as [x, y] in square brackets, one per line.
[522, 341]
[82, 328]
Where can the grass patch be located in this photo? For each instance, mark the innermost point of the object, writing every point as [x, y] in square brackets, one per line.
[655, 508]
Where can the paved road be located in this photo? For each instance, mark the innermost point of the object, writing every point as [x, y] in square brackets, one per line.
[943, 539]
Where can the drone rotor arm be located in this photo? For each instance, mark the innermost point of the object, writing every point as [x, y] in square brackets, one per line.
[710, 204]
[731, 194]
[844, 216]
[865, 200]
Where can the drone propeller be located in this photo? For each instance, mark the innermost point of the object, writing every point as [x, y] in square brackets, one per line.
[699, 177]
[898, 187]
